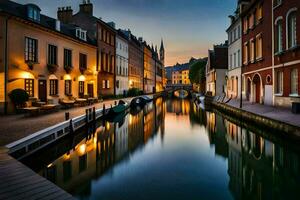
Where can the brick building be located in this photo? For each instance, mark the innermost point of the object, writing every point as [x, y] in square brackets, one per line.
[286, 51]
[257, 47]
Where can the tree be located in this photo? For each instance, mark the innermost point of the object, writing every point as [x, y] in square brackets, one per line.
[19, 97]
[197, 71]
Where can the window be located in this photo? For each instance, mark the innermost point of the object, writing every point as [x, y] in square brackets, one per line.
[31, 50]
[239, 58]
[245, 25]
[107, 84]
[33, 13]
[259, 46]
[81, 88]
[53, 87]
[246, 53]
[251, 21]
[82, 61]
[239, 31]
[279, 82]
[52, 54]
[259, 13]
[29, 87]
[67, 58]
[117, 83]
[103, 84]
[278, 36]
[252, 50]
[234, 60]
[230, 65]
[81, 34]
[68, 87]
[291, 35]
[294, 81]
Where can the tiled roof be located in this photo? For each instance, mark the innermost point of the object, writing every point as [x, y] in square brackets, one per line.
[20, 11]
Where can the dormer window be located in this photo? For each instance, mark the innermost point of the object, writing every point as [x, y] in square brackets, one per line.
[81, 34]
[33, 12]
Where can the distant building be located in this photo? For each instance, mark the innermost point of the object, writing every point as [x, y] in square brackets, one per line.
[234, 56]
[180, 74]
[149, 70]
[169, 74]
[122, 54]
[216, 70]
[50, 60]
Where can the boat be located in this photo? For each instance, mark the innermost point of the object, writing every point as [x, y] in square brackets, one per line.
[140, 101]
[120, 108]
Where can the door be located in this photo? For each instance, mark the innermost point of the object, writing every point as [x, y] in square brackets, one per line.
[257, 90]
[43, 90]
[91, 90]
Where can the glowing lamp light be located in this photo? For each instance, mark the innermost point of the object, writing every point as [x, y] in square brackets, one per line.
[130, 82]
[82, 149]
[26, 75]
[67, 77]
[50, 165]
[81, 78]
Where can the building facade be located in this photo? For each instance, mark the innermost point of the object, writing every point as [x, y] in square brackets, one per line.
[257, 48]
[234, 56]
[216, 69]
[46, 58]
[286, 34]
[180, 74]
[149, 70]
[122, 51]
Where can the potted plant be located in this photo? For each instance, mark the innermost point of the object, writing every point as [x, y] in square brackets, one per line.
[19, 97]
[30, 64]
[52, 68]
[68, 69]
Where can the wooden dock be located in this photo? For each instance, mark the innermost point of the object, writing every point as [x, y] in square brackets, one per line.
[19, 182]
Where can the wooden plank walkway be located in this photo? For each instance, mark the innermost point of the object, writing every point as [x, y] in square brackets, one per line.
[19, 182]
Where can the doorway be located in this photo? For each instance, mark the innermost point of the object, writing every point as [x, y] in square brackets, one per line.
[257, 83]
[43, 90]
[91, 90]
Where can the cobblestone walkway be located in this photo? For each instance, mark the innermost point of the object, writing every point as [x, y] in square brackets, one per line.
[15, 127]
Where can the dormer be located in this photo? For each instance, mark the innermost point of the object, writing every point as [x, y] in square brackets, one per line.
[80, 33]
[33, 12]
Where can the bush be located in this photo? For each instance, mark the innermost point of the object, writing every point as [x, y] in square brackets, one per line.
[19, 97]
[133, 92]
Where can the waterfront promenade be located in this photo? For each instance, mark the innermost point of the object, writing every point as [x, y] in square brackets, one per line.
[15, 127]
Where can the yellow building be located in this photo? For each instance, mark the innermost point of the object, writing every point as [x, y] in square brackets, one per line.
[180, 74]
[48, 59]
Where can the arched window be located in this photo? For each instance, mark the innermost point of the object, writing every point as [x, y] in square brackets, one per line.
[294, 81]
[291, 28]
[278, 35]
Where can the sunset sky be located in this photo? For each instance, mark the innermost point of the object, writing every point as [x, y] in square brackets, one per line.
[188, 27]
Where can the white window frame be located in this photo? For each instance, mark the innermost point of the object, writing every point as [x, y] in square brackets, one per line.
[287, 27]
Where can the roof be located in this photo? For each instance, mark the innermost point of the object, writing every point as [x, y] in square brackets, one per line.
[218, 57]
[20, 11]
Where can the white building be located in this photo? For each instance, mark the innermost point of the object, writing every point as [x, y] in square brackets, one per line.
[122, 82]
[122, 138]
[234, 57]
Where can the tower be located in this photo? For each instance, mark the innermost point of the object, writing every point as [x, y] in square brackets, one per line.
[162, 52]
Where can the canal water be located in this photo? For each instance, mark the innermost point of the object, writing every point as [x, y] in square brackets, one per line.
[172, 150]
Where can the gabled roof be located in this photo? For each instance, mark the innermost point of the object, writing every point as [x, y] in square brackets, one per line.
[20, 11]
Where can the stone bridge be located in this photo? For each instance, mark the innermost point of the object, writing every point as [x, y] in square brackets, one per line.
[172, 88]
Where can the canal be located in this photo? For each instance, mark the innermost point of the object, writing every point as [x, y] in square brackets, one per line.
[170, 149]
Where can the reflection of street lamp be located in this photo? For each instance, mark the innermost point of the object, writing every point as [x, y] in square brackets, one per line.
[130, 83]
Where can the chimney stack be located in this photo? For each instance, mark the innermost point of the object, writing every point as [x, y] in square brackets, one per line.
[65, 14]
[86, 7]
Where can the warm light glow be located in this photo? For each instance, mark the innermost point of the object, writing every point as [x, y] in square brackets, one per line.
[81, 78]
[130, 82]
[27, 75]
[130, 119]
[107, 126]
[82, 149]
[50, 165]
[67, 157]
[67, 77]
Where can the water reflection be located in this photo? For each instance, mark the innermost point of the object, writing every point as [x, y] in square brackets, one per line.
[171, 146]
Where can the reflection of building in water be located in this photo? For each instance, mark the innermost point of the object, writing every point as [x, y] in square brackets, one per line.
[259, 169]
[216, 134]
[179, 106]
[197, 116]
[135, 130]
[159, 113]
[149, 121]
[234, 139]
[122, 138]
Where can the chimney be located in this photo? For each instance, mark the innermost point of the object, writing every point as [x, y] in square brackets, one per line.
[65, 14]
[140, 39]
[112, 24]
[57, 25]
[86, 7]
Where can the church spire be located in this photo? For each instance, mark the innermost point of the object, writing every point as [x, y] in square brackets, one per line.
[162, 52]
[162, 45]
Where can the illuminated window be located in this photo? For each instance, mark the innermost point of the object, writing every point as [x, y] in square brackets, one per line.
[53, 87]
[259, 13]
[82, 61]
[259, 46]
[245, 25]
[81, 88]
[68, 87]
[245, 53]
[29, 87]
[252, 50]
[31, 50]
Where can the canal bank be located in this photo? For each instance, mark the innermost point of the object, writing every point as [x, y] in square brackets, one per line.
[281, 121]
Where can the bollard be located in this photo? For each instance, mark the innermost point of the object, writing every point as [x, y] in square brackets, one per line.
[71, 127]
[115, 103]
[103, 110]
[67, 116]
